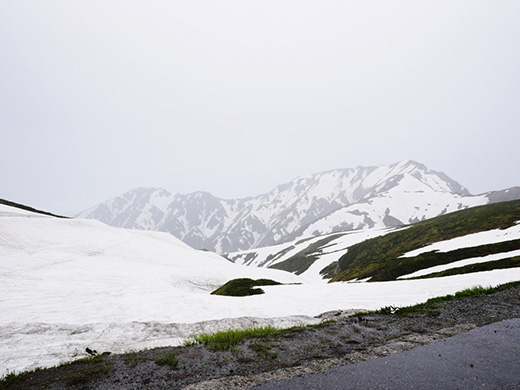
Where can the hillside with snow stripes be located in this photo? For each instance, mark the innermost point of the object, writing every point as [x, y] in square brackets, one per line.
[323, 250]
[474, 233]
[318, 259]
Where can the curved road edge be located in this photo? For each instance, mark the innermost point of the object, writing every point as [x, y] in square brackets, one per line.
[485, 357]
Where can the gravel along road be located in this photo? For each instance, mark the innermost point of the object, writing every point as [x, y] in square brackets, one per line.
[483, 358]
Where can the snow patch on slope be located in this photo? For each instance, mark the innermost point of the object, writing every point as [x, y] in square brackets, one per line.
[462, 263]
[470, 240]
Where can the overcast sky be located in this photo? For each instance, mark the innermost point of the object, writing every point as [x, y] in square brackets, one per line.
[236, 97]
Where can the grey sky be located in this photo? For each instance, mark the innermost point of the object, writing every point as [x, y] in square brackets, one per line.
[235, 97]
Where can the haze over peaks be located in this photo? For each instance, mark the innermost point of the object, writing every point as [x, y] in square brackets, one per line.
[340, 199]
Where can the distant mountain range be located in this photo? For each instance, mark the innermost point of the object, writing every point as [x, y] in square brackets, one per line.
[337, 200]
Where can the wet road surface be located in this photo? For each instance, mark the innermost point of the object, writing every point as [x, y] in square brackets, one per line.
[483, 358]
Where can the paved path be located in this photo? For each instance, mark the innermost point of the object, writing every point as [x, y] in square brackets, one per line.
[483, 358]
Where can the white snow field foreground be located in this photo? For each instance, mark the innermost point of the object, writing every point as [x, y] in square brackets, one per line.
[68, 284]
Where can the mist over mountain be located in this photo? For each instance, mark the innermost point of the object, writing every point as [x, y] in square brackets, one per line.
[335, 200]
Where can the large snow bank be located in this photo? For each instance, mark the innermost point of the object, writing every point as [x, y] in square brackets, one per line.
[69, 284]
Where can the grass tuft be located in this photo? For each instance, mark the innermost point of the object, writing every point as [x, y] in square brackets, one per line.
[263, 350]
[87, 374]
[224, 340]
[168, 360]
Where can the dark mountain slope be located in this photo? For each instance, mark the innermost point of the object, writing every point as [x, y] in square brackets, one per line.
[380, 258]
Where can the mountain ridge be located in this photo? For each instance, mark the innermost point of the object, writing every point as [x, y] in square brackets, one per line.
[320, 203]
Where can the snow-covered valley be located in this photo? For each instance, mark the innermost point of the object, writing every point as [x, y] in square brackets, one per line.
[68, 284]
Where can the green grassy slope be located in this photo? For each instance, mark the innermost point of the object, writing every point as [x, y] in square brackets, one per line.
[510, 262]
[378, 258]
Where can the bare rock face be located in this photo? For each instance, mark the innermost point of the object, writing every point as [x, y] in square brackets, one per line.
[337, 200]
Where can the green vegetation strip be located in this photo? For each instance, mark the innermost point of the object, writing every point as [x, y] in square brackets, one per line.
[379, 258]
[224, 340]
[301, 261]
[228, 339]
[77, 372]
[404, 266]
[512, 262]
[276, 256]
[430, 304]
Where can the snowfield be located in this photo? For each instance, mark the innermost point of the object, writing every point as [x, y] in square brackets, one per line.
[68, 284]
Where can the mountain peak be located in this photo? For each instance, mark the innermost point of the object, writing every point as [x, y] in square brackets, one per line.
[410, 162]
[338, 199]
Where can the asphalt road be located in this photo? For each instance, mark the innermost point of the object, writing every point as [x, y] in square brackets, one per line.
[483, 358]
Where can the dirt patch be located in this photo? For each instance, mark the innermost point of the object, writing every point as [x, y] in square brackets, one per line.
[297, 352]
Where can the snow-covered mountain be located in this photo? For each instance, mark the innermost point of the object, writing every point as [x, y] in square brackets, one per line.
[336, 200]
